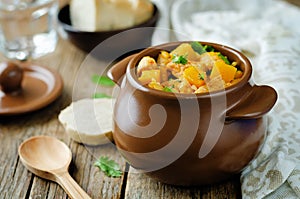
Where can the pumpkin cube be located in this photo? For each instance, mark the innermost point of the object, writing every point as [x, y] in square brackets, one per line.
[227, 72]
[194, 77]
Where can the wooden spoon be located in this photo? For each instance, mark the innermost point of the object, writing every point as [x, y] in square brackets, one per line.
[49, 158]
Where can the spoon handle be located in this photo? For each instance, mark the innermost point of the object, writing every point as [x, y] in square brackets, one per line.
[71, 187]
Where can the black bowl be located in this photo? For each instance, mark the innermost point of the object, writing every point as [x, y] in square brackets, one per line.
[88, 41]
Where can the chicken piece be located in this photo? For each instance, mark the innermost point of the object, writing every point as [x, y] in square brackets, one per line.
[176, 69]
[146, 63]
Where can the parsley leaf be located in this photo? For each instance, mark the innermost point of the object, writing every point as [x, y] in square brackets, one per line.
[109, 167]
[179, 59]
[201, 76]
[224, 58]
[209, 48]
[102, 80]
[167, 89]
[100, 95]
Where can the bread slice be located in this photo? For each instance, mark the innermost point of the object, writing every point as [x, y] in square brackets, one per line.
[89, 121]
[104, 15]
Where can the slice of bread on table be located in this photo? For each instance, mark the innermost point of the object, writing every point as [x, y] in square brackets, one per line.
[89, 121]
[105, 15]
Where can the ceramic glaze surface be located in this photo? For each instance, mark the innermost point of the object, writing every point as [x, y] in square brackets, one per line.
[187, 139]
[11, 76]
[39, 87]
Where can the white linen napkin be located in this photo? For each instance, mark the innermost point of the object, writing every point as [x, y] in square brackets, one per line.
[268, 32]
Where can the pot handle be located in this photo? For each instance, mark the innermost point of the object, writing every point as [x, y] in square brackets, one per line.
[118, 70]
[258, 102]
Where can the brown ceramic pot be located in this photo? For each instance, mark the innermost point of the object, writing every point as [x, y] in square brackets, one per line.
[187, 139]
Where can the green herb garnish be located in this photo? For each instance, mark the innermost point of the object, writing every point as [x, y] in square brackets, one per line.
[197, 47]
[109, 167]
[224, 58]
[167, 89]
[200, 49]
[209, 48]
[179, 59]
[100, 95]
[102, 80]
[201, 76]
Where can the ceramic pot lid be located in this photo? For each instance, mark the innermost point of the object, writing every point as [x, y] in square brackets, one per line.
[40, 87]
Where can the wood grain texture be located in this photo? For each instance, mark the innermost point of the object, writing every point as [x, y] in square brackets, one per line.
[146, 187]
[295, 2]
[17, 182]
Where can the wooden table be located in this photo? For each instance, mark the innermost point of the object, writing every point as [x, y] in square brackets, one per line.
[17, 182]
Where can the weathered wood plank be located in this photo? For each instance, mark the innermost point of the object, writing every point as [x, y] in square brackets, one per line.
[100, 185]
[15, 180]
[295, 2]
[141, 186]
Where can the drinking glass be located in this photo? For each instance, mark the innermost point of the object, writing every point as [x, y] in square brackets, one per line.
[27, 28]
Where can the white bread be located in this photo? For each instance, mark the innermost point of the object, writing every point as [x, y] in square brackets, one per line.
[103, 15]
[89, 121]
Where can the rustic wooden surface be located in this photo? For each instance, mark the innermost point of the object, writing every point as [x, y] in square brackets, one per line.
[295, 2]
[17, 182]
